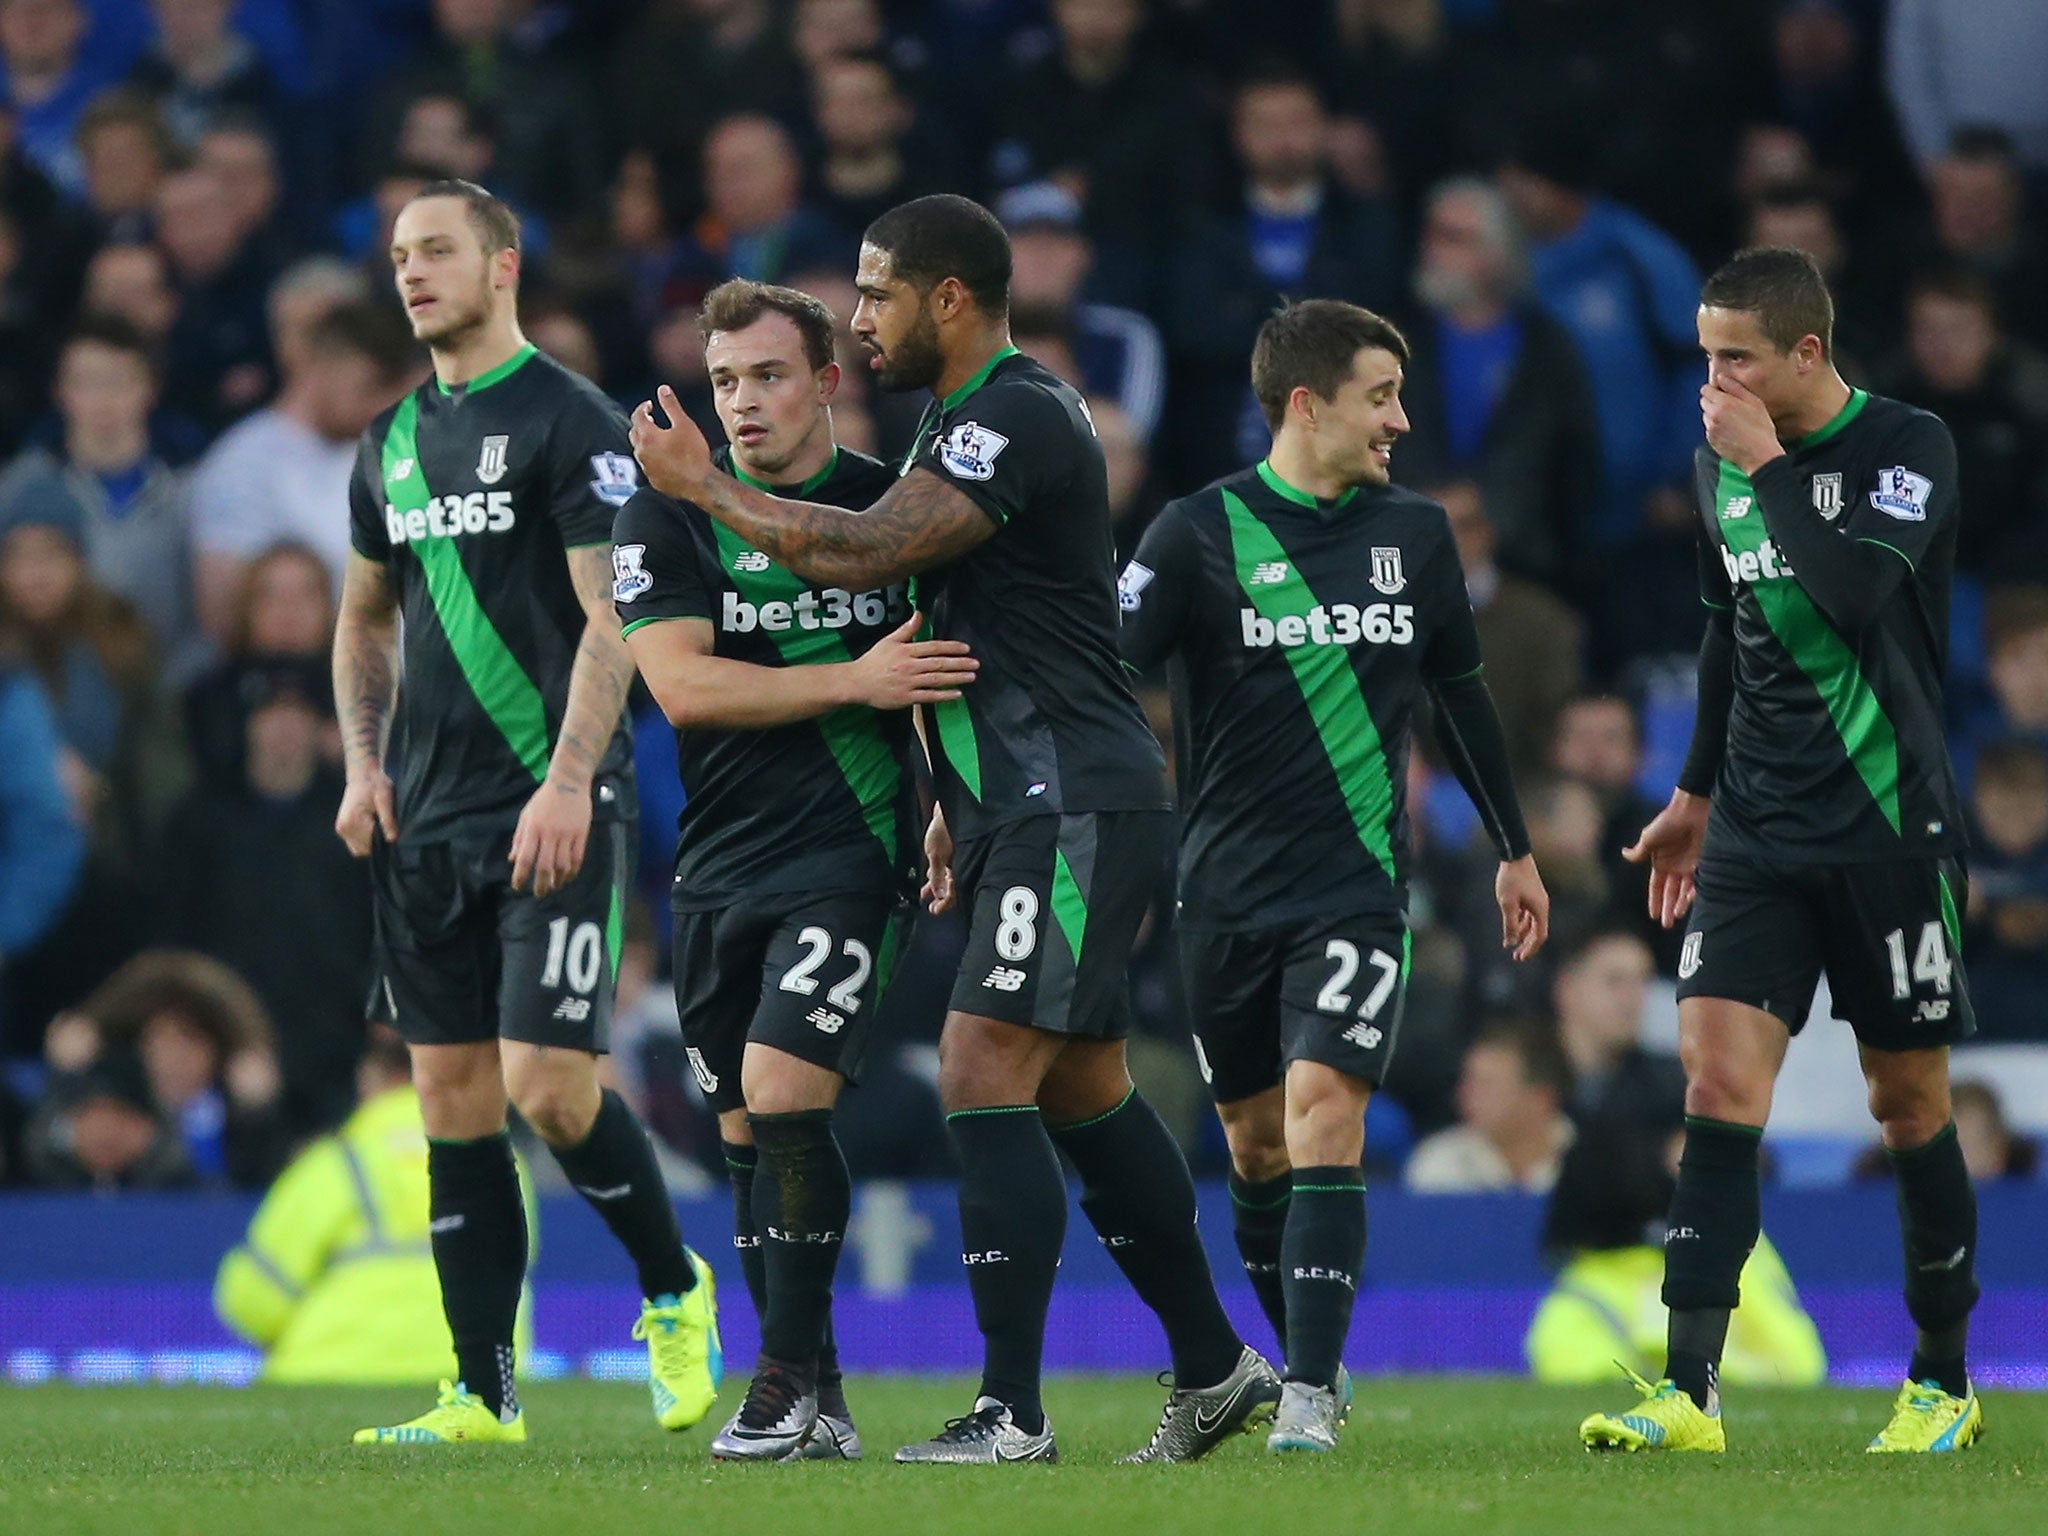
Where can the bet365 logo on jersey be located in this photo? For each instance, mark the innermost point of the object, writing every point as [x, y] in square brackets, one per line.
[1336, 624]
[445, 516]
[831, 608]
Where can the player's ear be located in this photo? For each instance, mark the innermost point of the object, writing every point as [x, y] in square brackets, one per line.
[505, 268]
[1301, 401]
[828, 382]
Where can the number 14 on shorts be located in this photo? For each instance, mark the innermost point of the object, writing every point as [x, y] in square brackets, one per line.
[1932, 966]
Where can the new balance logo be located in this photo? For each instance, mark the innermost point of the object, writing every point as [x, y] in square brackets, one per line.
[1269, 573]
[1943, 1266]
[1004, 979]
[751, 560]
[1933, 1011]
[1365, 1035]
[828, 1021]
[574, 1009]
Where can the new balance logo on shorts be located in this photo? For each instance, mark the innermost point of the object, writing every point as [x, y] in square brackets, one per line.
[828, 1021]
[1004, 979]
[1365, 1035]
[574, 1009]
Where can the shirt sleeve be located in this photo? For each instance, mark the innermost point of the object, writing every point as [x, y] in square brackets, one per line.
[1452, 649]
[1716, 591]
[1011, 444]
[1913, 497]
[367, 533]
[1156, 591]
[591, 469]
[657, 572]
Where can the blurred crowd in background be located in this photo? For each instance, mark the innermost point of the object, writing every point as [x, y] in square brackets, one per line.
[196, 322]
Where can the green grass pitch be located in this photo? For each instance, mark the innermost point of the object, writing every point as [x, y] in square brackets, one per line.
[1420, 1457]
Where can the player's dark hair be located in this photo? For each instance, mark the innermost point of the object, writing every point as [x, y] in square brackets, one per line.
[371, 328]
[116, 332]
[1783, 288]
[737, 303]
[1534, 1042]
[1313, 344]
[1958, 284]
[930, 239]
[2013, 764]
[497, 226]
[1581, 941]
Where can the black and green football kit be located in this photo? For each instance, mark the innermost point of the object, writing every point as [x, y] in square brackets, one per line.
[798, 843]
[1835, 839]
[470, 498]
[1303, 638]
[1052, 784]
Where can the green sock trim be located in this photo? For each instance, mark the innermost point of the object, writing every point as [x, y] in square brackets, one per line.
[1266, 1205]
[1904, 1154]
[1331, 1189]
[1707, 1122]
[1082, 1125]
[994, 1109]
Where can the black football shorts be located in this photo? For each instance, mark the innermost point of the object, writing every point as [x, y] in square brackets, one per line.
[804, 974]
[1887, 936]
[1054, 908]
[1328, 990]
[462, 957]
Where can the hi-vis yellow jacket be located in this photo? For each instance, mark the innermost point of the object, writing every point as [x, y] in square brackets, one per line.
[335, 1280]
[1606, 1307]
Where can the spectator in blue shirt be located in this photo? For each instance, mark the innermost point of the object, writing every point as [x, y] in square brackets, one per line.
[51, 80]
[1117, 350]
[41, 846]
[1627, 293]
[1496, 392]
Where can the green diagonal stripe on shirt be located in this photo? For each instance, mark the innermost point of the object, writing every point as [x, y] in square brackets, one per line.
[1818, 650]
[1328, 685]
[853, 732]
[494, 675]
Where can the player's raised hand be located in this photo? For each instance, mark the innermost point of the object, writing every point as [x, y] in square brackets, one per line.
[1739, 428]
[367, 808]
[938, 894]
[1670, 845]
[1524, 907]
[899, 669]
[675, 457]
[549, 842]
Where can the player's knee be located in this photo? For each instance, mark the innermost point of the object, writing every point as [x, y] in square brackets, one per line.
[1716, 1090]
[561, 1106]
[1258, 1150]
[1910, 1113]
[461, 1097]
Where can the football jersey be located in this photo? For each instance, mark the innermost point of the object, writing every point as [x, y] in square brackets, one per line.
[470, 498]
[1303, 635]
[1836, 751]
[819, 805]
[1049, 725]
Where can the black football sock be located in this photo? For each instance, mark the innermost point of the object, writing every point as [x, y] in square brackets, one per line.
[1259, 1217]
[741, 1159]
[1716, 1214]
[477, 1226]
[1136, 1191]
[802, 1197]
[614, 1169]
[831, 1380]
[1938, 1219]
[1321, 1255]
[1013, 1218]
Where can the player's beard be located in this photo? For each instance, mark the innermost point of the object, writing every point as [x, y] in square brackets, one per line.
[457, 321]
[915, 362]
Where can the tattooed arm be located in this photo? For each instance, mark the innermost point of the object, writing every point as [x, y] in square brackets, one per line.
[920, 522]
[554, 829]
[365, 689]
